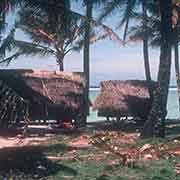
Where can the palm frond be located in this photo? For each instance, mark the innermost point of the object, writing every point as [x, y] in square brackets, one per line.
[8, 43]
[28, 48]
[96, 23]
[8, 60]
[2, 23]
[127, 16]
[136, 33]
[107, 31]
[111, 7]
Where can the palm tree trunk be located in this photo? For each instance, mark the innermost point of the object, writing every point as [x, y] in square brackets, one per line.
[155, 125]
[86, 53]
[165, 57]
[60, 61]
[146, 59]
[61, 66]
[145, 43]
[176, 58]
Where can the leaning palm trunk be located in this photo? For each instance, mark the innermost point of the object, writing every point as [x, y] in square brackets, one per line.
[86, 53]
[155, 125]
[176, 58]
[146, 59]
[145, 43]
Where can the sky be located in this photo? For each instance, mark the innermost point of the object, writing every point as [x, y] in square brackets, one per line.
[108, 60]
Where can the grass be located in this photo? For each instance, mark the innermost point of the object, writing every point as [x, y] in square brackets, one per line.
[32, 163]
[158, 170]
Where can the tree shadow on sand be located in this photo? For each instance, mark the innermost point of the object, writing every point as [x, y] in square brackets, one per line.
[29, 163]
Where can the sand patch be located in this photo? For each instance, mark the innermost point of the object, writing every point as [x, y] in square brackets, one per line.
[20, 142]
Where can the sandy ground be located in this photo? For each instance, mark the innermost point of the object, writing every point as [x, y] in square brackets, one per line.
[41, 134]
[38, 136]
[19, 142]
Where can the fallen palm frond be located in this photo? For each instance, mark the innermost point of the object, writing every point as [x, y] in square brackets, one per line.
[134, 153]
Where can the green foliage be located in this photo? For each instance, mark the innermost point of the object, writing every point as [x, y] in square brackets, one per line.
[137, 32]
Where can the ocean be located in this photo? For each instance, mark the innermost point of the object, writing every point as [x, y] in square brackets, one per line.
[173, 107]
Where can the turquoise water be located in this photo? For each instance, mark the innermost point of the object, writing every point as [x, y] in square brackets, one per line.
[173, 107]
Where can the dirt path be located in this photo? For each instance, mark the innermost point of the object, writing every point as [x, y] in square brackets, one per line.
[20, 142]
[39, 134]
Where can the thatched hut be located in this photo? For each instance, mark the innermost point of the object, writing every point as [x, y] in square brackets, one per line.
[50, 94]
[124, 98]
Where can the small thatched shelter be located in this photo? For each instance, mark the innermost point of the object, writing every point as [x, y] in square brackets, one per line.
[124, 98]
[50, 94]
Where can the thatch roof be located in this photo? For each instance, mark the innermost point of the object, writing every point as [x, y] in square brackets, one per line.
[123, 98]
[51, 94]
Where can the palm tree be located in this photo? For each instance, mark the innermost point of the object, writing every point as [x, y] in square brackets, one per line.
[51, 31]
[145, 42]
[176, 23]
[54, 30]
[153, 30]
[58, 30]
[89, 5]
[129, 8]
[109, 7]
[86, 61]
[156, 120]
[161, 93]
